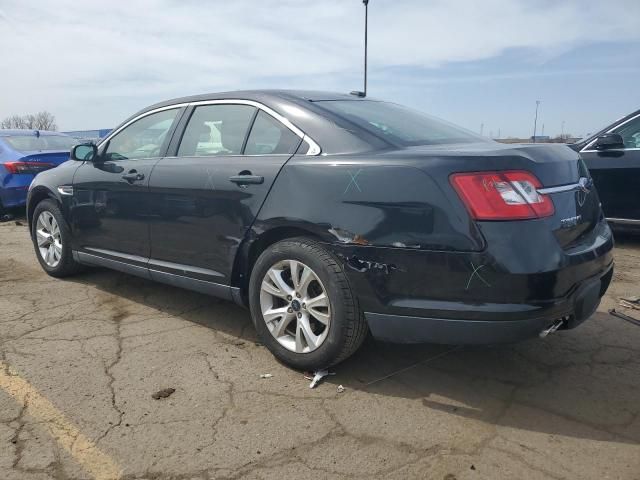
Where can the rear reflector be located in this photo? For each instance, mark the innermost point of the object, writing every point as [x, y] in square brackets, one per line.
[27, 167]
[508, 195]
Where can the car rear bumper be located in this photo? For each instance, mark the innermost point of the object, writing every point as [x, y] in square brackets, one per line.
[14, 190]
[14, 196]
[506, 293]
[574, 309]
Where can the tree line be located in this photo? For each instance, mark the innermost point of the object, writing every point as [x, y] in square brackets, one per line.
[40, 121]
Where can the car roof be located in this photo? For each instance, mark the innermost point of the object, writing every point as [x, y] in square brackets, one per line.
[261, 95]
[322, 127]
[25, 132]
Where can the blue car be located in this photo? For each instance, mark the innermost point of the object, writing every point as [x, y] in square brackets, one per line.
[25, 153]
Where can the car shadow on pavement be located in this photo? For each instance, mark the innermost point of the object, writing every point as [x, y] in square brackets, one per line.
[219, 315]
[577, 383]
[13, 215]
[583, 383]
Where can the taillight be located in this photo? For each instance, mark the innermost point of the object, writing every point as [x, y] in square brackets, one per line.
[27, 167]
[511, 195]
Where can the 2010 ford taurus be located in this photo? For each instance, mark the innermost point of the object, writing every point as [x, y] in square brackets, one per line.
[330, 216]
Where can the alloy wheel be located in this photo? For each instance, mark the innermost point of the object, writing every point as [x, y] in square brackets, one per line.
[48, 238]
[295, 306]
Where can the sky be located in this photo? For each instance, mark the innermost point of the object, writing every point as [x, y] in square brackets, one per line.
[480, 64]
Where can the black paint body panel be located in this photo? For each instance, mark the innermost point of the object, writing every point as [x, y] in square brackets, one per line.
[198, 216]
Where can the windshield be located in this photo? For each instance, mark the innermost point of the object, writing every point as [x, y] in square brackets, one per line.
[398, 124]
[27, 143]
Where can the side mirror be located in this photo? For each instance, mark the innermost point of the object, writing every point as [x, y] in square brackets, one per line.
[609, 141]
[84, 152]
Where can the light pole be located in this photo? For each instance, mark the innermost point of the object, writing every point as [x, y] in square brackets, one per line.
[366, 22]
[535, 121]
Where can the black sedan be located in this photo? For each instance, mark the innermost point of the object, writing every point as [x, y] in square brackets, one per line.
[331, 216]
[613, 158]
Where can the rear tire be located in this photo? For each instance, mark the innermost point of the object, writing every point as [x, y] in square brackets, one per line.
[306, 337]
[51, 238]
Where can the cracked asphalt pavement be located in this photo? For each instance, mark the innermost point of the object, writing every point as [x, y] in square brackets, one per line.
[81, 358]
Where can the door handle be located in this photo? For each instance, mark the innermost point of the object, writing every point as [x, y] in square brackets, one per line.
[133, 176]
[247, 179]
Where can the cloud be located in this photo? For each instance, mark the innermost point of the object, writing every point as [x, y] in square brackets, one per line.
[93, 62]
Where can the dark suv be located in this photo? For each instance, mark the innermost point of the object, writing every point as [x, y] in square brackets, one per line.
[330, 216]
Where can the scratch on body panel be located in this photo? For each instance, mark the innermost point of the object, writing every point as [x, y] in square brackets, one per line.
[476, 273]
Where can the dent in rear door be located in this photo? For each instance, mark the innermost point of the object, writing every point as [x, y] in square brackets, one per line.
[200, 216]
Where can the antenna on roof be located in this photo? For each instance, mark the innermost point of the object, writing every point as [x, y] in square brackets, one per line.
[366, 21]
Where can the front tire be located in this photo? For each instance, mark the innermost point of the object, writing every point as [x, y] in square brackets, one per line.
[302, 305]
[51, 238]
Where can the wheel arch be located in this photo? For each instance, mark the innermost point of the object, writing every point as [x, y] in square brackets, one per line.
[37, 195]
[258, 243]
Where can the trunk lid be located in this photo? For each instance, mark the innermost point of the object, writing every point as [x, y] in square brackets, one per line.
[54, 157]
[563, 176]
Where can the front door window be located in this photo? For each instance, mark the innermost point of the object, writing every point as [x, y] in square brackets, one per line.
[144, 138]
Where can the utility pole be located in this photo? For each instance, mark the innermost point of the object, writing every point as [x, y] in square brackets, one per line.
[562, 131]
[542, 133]
[535, 121]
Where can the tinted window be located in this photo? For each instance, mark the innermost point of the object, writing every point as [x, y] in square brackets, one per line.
[630, 133]
[398, 124]
[143, 138]
[43, 142]
[269, 137]
[216, 130]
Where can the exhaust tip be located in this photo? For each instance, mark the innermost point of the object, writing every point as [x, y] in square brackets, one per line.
[552, 328]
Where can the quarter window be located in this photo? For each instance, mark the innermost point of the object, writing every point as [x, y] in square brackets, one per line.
[143, 138]
[630, 133]
[270, 137]
[216, 130]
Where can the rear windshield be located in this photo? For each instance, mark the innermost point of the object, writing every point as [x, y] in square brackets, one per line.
[398, 124]
[27, 143]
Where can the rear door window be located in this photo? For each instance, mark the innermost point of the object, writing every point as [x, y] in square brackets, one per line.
[216, 130]
[270, 137]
